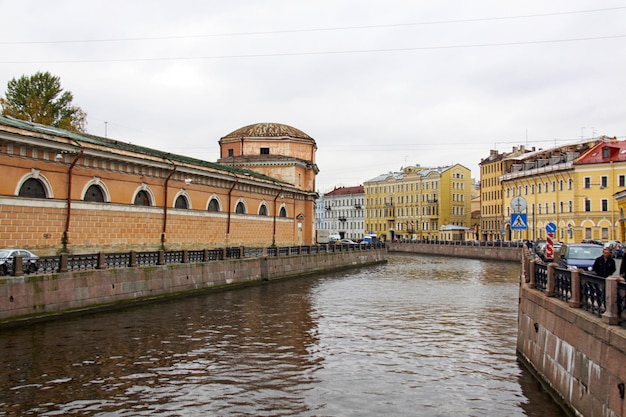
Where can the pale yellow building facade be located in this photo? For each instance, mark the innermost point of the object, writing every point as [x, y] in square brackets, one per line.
[416, 202]
[570, 186]
[492, 216]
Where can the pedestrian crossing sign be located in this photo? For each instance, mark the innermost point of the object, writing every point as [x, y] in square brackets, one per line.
[518, 221]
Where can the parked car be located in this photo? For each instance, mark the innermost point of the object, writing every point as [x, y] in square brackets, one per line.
[334, 238]
[617, 251]
[29, 260]
[543, 251]
[579, 255]
[593, 241]
[539, 247]
[348, 242]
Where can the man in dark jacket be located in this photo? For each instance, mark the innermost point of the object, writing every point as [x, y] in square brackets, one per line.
[604, 265]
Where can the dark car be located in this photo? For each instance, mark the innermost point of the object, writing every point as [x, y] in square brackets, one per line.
[593, 242]
[29, 260]
[579, 255]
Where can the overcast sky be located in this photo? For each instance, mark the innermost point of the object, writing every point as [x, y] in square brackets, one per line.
[378, 84]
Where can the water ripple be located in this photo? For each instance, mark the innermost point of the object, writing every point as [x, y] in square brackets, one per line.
[419, 336]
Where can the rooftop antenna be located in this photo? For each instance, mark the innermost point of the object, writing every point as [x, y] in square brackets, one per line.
[105, 129]
[526, 137]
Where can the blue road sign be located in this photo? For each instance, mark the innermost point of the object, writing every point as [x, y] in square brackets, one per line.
[519, 221]
[550, 227]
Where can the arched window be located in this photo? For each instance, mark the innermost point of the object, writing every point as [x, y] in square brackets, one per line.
[32, 188]
[214, 205]
[181, 203]
[240, 208]
[282, 212]
[142, 199]
[94, 193]
[263, 210]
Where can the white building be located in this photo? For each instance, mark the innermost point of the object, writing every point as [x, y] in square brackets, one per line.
[342, 212]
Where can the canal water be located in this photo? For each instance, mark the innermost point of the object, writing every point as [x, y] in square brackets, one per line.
[419, 336]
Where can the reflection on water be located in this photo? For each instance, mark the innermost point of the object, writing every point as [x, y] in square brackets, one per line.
[424, 336]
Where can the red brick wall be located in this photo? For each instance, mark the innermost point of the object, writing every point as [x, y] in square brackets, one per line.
[121, 228]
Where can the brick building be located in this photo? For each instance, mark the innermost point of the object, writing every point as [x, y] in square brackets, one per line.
[66, 191]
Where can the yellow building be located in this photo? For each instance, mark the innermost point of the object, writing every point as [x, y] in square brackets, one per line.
[417, 202]
[571, 186]
[492, 218]
[620, 198]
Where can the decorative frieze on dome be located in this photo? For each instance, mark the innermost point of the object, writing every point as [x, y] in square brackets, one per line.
[268, 130]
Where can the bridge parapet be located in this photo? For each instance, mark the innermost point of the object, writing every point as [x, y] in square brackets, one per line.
[603, 297]
[84, 262]
[572, 336]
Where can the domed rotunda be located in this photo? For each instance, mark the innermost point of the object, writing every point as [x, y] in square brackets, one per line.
[277, 150]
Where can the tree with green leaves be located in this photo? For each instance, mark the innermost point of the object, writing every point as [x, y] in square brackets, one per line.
[40, 99]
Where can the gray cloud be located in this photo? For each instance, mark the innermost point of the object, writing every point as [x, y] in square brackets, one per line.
[378, 84]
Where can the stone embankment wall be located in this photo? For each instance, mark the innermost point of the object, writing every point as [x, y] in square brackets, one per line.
[462, 251]
[578, 356]
[33, 297]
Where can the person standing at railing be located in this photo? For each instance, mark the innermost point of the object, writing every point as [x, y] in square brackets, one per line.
[604, 265]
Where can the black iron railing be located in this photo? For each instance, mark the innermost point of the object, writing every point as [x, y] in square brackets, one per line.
[541, 277]
[488, 243]
[83, 262]
[588, 291]
[593, 293]
[563, 284]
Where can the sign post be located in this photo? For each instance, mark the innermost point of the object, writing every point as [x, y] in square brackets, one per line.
[550, 229]
[519, 219]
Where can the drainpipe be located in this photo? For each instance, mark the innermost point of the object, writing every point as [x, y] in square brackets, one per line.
[167, 180]
[230, 192]
[276, 214]
[68, 214]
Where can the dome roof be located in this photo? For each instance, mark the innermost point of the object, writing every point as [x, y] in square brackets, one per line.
[268, 130]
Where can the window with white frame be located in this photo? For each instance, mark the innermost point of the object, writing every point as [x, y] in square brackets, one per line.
[605, 204]
[604, 181]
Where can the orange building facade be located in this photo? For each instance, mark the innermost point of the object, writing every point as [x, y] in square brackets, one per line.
[65, 191]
